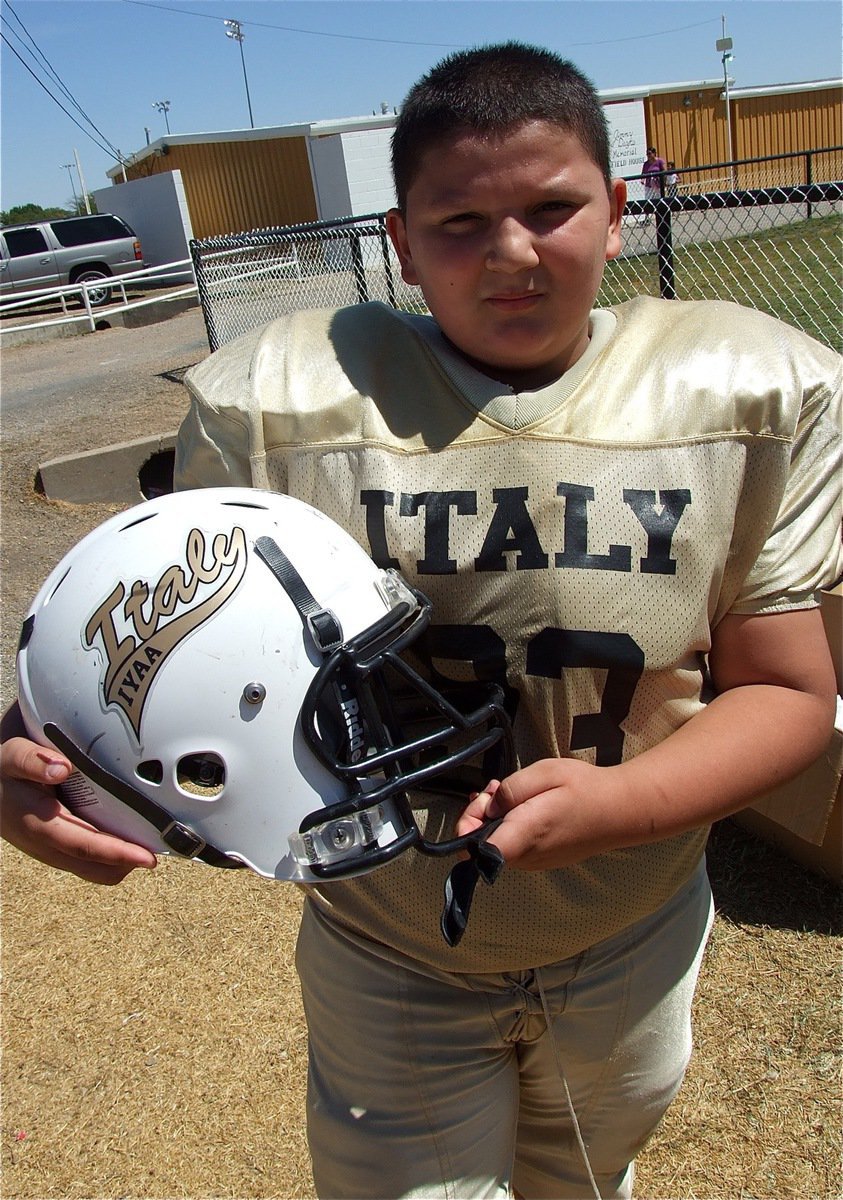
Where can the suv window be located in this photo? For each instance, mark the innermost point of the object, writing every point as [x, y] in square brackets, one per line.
[78, 231]
[25, 241]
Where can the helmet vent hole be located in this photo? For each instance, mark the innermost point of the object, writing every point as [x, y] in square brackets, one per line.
[151, 770]
[57, 586]
[201, 775]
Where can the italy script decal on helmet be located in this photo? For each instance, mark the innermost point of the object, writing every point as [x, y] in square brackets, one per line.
[139, 630]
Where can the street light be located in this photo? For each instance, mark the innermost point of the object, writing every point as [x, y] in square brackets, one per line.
[234, 30]
[68, 168]
[163, 106]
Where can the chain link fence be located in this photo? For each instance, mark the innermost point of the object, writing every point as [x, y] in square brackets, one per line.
[782, 170]
[775, 247]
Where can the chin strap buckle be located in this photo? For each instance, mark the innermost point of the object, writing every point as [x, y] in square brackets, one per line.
[182, 840]
[321, 623]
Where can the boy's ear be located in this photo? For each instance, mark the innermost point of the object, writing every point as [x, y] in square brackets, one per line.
[617, 203]
[396, 227]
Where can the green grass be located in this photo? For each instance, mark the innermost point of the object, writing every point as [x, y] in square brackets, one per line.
[791, 271]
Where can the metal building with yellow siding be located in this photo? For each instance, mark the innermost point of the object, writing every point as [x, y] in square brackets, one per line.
[288, 175]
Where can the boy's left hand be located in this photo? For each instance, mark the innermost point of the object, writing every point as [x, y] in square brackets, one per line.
[771, 716]
[552, 812]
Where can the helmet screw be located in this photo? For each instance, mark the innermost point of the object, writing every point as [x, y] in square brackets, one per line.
[254, 693]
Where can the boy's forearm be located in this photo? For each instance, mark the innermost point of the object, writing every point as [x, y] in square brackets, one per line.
[771, 718]
[745, 742]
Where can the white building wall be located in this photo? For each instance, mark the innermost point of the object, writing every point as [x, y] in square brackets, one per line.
[330, 182]
[352, 175]
[156, 208]
[367, 165]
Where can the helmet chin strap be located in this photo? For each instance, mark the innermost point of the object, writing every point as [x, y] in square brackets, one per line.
[180, 838]
[484, 862]
[323, 625]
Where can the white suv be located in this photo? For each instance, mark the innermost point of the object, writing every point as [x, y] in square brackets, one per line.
[46, 254]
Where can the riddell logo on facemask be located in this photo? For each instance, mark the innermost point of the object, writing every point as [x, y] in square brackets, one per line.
[138, 631]
[350, 709]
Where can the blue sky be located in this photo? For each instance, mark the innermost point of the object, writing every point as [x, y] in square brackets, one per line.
[323, 59]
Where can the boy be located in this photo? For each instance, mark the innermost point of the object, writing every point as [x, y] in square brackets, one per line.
[607, 509]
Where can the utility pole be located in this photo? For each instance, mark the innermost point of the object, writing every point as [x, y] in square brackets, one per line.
[234, 30]
[723, 46]
[85, 195]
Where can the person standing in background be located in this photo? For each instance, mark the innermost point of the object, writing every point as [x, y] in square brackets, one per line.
[652, 174]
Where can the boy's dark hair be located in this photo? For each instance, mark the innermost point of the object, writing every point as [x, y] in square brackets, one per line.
[492, 90]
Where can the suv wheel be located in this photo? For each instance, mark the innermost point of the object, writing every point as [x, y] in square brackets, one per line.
[97, 295]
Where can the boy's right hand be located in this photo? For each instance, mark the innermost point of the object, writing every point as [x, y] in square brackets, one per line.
[33, 819]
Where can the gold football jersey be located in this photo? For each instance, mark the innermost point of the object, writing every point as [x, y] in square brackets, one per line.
[578, 543]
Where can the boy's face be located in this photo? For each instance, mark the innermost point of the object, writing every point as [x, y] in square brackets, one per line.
[507, 239]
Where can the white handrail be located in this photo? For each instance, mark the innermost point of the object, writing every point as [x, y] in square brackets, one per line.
[60, 294]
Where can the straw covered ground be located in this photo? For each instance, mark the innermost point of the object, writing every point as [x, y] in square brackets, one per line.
[154, 1044]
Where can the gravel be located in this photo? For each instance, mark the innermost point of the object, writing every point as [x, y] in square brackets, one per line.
[65, 396]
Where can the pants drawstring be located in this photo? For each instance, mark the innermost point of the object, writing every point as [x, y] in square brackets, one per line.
[567, 1091]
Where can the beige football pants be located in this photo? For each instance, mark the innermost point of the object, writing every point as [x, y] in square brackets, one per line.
[424, 1084]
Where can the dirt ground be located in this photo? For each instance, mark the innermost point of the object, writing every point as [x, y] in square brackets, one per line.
[153, 1040]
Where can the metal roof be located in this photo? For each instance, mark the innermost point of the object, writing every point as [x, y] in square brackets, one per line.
[315, 129]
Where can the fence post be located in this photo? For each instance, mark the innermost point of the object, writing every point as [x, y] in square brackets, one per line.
[387, 262]
[809, 179]
[203, 291]
[86, 300]
[664, 248]
[357, 262]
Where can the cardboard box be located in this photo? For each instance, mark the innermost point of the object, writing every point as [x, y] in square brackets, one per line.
[805, 817]
[832, 614]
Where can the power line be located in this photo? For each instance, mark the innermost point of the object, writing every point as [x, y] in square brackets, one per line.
[352, 37]
[637, 37]
[104, 144]
[44, 60]
[356, 37]
[108, 149]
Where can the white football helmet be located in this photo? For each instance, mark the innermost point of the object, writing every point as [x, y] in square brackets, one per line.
[224, 669]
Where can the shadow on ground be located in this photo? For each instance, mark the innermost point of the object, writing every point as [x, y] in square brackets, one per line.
[754, 883]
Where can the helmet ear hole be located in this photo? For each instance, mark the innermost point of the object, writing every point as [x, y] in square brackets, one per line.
[151, 770]
[201, 774]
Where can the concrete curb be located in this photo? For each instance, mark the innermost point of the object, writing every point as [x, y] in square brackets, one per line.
[151, 314]
[10, 336]
[122, 474]
[132, 318]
